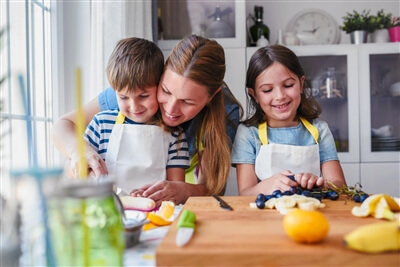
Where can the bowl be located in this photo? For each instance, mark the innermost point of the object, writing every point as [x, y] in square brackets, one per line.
[133, 226]
[394, 89]
[307, 38]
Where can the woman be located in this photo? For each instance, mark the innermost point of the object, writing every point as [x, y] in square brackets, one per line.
[192, 94]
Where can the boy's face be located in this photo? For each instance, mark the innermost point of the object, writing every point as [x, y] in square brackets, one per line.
[137, 104]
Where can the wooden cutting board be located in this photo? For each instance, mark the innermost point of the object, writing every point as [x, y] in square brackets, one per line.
[253, 237]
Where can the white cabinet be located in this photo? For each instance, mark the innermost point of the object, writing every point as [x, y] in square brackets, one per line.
[365, 117]
[179, 19]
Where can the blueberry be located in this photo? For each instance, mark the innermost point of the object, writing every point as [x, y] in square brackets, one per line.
[333, 195]
[363, 197]
[357, 198]
[291, 177]
[260, 204]
[316, 195]
[261, 197]
[276, 192]
[306, 193]
[325, 193]
[268, 197]
[287, 193]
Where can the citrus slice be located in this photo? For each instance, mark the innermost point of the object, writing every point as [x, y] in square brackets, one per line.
[157, 219]
[166, 209]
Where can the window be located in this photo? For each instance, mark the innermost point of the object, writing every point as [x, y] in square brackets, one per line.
[26, 89]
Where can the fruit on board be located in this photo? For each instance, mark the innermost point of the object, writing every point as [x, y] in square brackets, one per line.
[380, 206]
[306, 226]
[375, 237]
[163, 216]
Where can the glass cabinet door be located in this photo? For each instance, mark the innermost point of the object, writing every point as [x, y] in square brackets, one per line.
[223, 21]
[332, 75]
[380, 102]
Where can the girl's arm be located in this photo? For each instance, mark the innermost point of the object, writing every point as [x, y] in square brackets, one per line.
[332, 172]
[248, 185]
[64, 139]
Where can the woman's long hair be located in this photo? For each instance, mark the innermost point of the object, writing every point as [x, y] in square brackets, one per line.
[203, 61]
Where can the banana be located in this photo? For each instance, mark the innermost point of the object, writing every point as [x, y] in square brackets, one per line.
[375, 237]
[285, 204]
[381, 206]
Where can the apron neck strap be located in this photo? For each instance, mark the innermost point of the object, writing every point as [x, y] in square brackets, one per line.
[263, 133]
[120, 118]
[311, 128]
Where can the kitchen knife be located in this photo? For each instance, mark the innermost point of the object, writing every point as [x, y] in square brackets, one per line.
[222, 203]
[186, 226]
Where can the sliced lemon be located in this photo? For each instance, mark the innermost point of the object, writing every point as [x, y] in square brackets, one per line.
[157, 219]
[166, 209]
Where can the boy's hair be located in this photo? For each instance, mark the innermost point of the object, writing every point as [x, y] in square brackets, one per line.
[136, 63]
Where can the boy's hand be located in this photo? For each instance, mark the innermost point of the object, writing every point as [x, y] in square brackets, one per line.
[96, 164]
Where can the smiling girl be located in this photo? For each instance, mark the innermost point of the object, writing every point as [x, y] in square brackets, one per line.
[283, 136]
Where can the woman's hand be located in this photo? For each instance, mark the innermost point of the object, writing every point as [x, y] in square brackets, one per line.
[175, 191]
[309, 180]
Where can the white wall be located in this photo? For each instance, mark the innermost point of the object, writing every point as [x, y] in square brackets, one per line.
[277, 14]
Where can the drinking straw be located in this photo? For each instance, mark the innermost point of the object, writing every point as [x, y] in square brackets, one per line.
[83, 167]
[80, 128]
[34, 170]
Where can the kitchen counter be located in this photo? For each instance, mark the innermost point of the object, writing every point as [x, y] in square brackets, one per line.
[254, 237]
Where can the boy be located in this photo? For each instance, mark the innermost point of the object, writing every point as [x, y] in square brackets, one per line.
[137, 147]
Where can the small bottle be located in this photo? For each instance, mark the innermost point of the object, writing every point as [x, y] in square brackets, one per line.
[331, 84]
[259, 28]
[219, 28]
[262, 41]
[160, 25]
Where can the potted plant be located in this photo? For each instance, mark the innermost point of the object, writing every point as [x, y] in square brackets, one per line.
[394, 29]
[357, 25]
[379, 25]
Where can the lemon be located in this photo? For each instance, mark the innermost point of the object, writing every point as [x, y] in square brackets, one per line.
[306, 226]
[163, 216]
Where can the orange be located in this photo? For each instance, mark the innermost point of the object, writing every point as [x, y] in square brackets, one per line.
[306, 226]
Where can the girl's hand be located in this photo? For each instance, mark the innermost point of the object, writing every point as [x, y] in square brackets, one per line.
[309, 180]
[279, 181]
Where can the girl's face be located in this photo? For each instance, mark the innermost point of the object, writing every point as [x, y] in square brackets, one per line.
[180, 98]
[138, 105]
[278, 92]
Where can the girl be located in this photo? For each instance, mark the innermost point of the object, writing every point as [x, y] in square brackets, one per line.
[283, 136]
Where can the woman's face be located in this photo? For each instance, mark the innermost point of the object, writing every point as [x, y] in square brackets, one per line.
[180, 98]
[278, 92]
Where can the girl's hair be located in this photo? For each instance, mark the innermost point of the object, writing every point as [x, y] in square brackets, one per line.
[260, 61]
[203, 61]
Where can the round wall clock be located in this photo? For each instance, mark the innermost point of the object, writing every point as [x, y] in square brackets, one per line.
[314, 26]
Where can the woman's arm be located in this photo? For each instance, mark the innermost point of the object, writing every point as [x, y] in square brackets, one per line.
[64, 139]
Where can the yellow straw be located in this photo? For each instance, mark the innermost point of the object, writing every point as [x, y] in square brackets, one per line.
[80, 128]
[83, 167]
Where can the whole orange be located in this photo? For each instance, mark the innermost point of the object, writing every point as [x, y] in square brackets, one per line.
[306, 226]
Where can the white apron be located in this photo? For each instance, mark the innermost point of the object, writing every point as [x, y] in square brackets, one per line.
[274, 158]
[136, 154]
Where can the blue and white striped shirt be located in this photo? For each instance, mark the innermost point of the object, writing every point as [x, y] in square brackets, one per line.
[98, 132]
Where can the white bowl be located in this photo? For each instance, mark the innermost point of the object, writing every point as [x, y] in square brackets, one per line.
[394, 89]
[307, 38]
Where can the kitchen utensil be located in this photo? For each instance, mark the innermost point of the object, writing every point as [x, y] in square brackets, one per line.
[133, 223]
[186, 226]
[222, 203]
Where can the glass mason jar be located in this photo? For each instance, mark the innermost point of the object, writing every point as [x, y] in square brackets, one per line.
[93, 233]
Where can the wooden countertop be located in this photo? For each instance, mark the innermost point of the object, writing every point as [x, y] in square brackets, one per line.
[253, 237]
